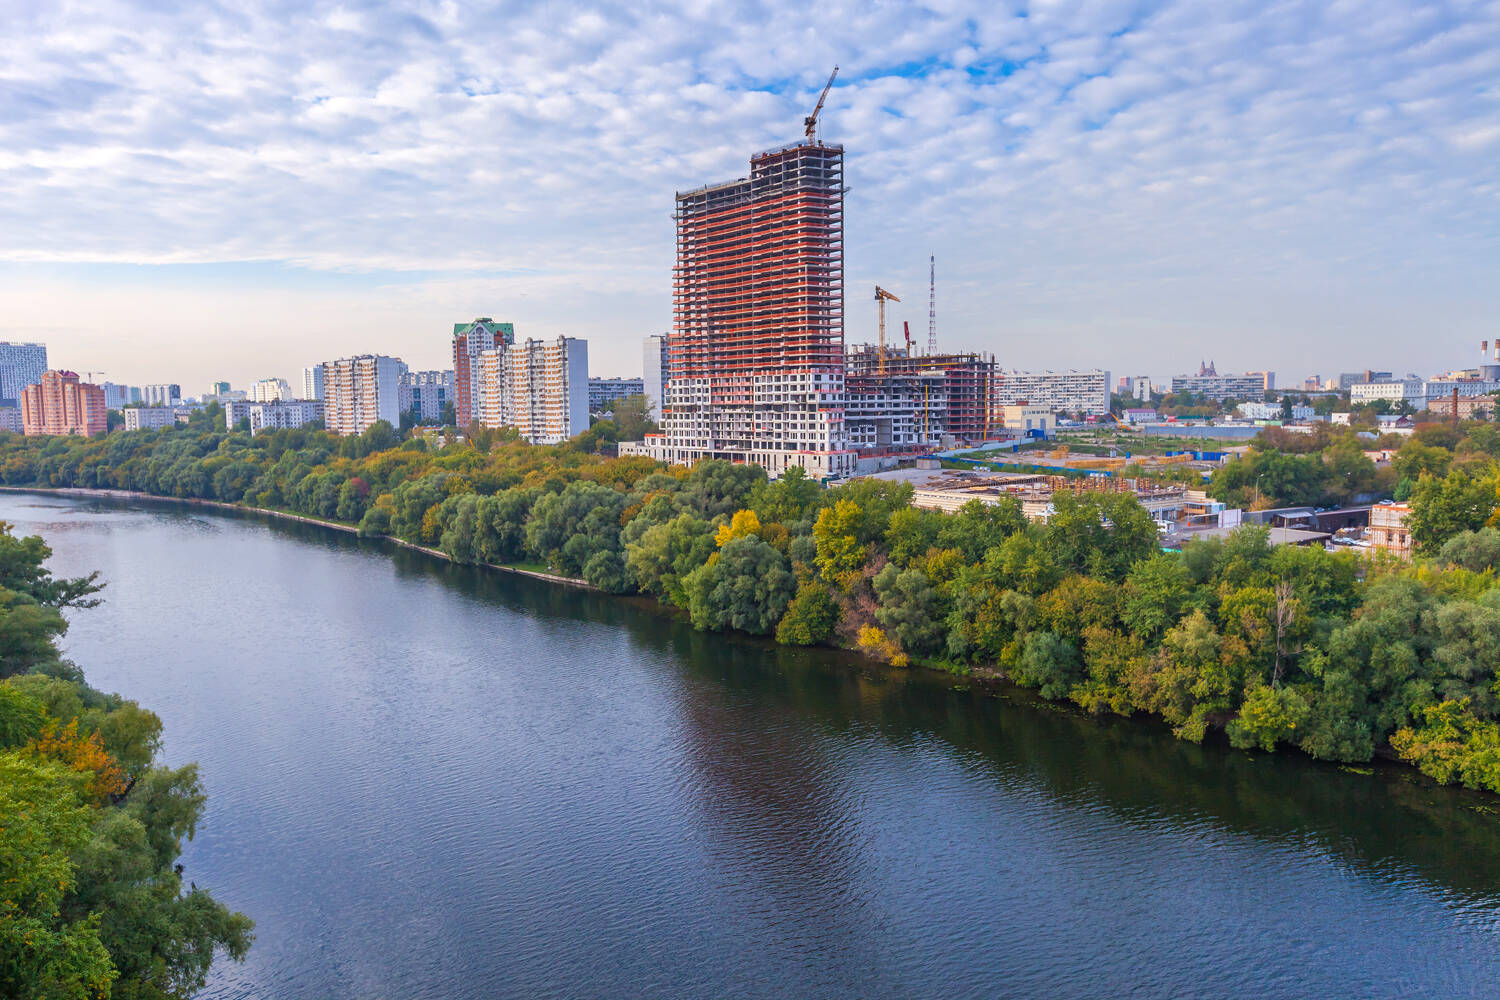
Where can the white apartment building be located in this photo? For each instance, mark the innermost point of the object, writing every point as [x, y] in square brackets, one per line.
[1221, 388]
[312, 382]
[489, 388]
[1409, 390]
[117, 396]
[426, 393]
[235, 410]
[1272, 411]
[1060, 392]
[10, 420]
[654, 381]
[270, 390]
[548, 388]
[149, 418]
[284, 414]
[21, 364]
[161, 394]
[360, 390]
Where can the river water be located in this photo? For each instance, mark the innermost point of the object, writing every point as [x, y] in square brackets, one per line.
[427, 781]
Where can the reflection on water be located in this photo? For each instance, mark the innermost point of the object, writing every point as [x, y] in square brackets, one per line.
[434, 781]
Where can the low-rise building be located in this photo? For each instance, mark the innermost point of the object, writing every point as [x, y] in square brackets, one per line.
[1468, 407]
[1273, 411]
[1410, 390]
[1025, 420]
[1139, 415]
[1388, 531]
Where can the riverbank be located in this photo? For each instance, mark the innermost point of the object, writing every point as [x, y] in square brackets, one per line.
[78, 491]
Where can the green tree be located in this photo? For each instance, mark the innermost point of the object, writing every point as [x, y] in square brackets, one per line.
[911, 609]
[748, 587]
[1443, 508]
[810, 617]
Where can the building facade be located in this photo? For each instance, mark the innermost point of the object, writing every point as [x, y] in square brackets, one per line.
[150, 418]
[360, 390]
[10, 420]
[655, 364]
[235, 410]
[1388, 531]
[548, 387]
[283, 414]
[161, 394]
[1209, 384]
[117, 397]
[1411, 391]
[62, 404]
[426, 393]
[269, 390]
[1061, 392]
[470, 341]
[312, 382]
[605, 391]
[756, 353]
[21, 364]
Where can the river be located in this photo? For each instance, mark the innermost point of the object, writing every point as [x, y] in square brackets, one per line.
[430, 781]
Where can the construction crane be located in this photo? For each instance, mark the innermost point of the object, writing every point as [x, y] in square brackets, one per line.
[932, 304]
[811, 121]
[882, 296]
[906, 327]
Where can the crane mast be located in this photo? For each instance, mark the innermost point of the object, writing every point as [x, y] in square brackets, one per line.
[811, 121]
[881, 297]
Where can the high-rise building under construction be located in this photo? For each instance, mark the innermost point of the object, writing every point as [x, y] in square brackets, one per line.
[756, 354]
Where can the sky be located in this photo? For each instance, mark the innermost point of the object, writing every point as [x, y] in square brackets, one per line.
[201, 191]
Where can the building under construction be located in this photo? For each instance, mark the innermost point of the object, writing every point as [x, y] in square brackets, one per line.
[756, 355]
[961, 381]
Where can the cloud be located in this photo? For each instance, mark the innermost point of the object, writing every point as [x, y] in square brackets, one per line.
[1100, 180]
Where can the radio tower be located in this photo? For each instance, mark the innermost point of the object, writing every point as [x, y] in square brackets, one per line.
[932, 304]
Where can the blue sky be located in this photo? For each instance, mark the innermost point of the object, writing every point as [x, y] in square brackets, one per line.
[201, 191]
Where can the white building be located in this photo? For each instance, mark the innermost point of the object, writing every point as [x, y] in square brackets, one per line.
[147, 418]
[604, 391]
[161, 394]
[284, 414]
[426, 393]
[10, 420]
[117, 397]
[312, 382]
[235, 410]
[1443, 388]
[1209, 384]
[1064, 392]
[1272, 411]
[1025, 420]
[360, 390]
[654, 381]
[548, 388]
[270, 390]
[1412, 391]
[21, 364]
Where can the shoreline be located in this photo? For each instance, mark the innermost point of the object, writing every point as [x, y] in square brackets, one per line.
[986, 679]
[81, 491]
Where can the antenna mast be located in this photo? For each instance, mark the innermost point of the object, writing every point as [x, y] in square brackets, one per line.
[932, 304]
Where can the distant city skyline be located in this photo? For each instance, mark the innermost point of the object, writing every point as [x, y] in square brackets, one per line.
[1302, 188]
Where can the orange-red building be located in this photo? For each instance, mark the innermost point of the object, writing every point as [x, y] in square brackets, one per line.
[61, 404]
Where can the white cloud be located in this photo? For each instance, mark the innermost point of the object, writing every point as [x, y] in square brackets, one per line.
[1105, 182]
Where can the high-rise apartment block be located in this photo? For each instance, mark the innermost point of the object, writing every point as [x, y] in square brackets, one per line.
[269, 390]
[117, 397]
[655, 363]
[161, 394]
[470, 341]
[360, 390]
[548, 387]
[426, 393]
[756, 354]
[20, 365]
[1063, 392]
[312, 382]
[61, 404]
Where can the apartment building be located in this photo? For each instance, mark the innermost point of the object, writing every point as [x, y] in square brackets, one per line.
[284, 414]
[426, 393]
[1061, 392]
[655, 364]
[150, 418]
[360, 390]
[161, 394]
[1209, 384]
[470, 341]
[1410, 390]
[548, 388]
[312, 382]
[604, 391]
[62, 404]
[21, 364]
[269, 390]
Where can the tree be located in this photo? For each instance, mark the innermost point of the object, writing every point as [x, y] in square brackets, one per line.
[910, 609]
[748, 587]
[810, 618]
[840, 552]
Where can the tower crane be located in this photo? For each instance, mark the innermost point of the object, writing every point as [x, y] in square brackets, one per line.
[906, 326]
[811, 121]
[881, 297]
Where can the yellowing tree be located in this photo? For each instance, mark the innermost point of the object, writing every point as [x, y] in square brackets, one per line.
[742, 524]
